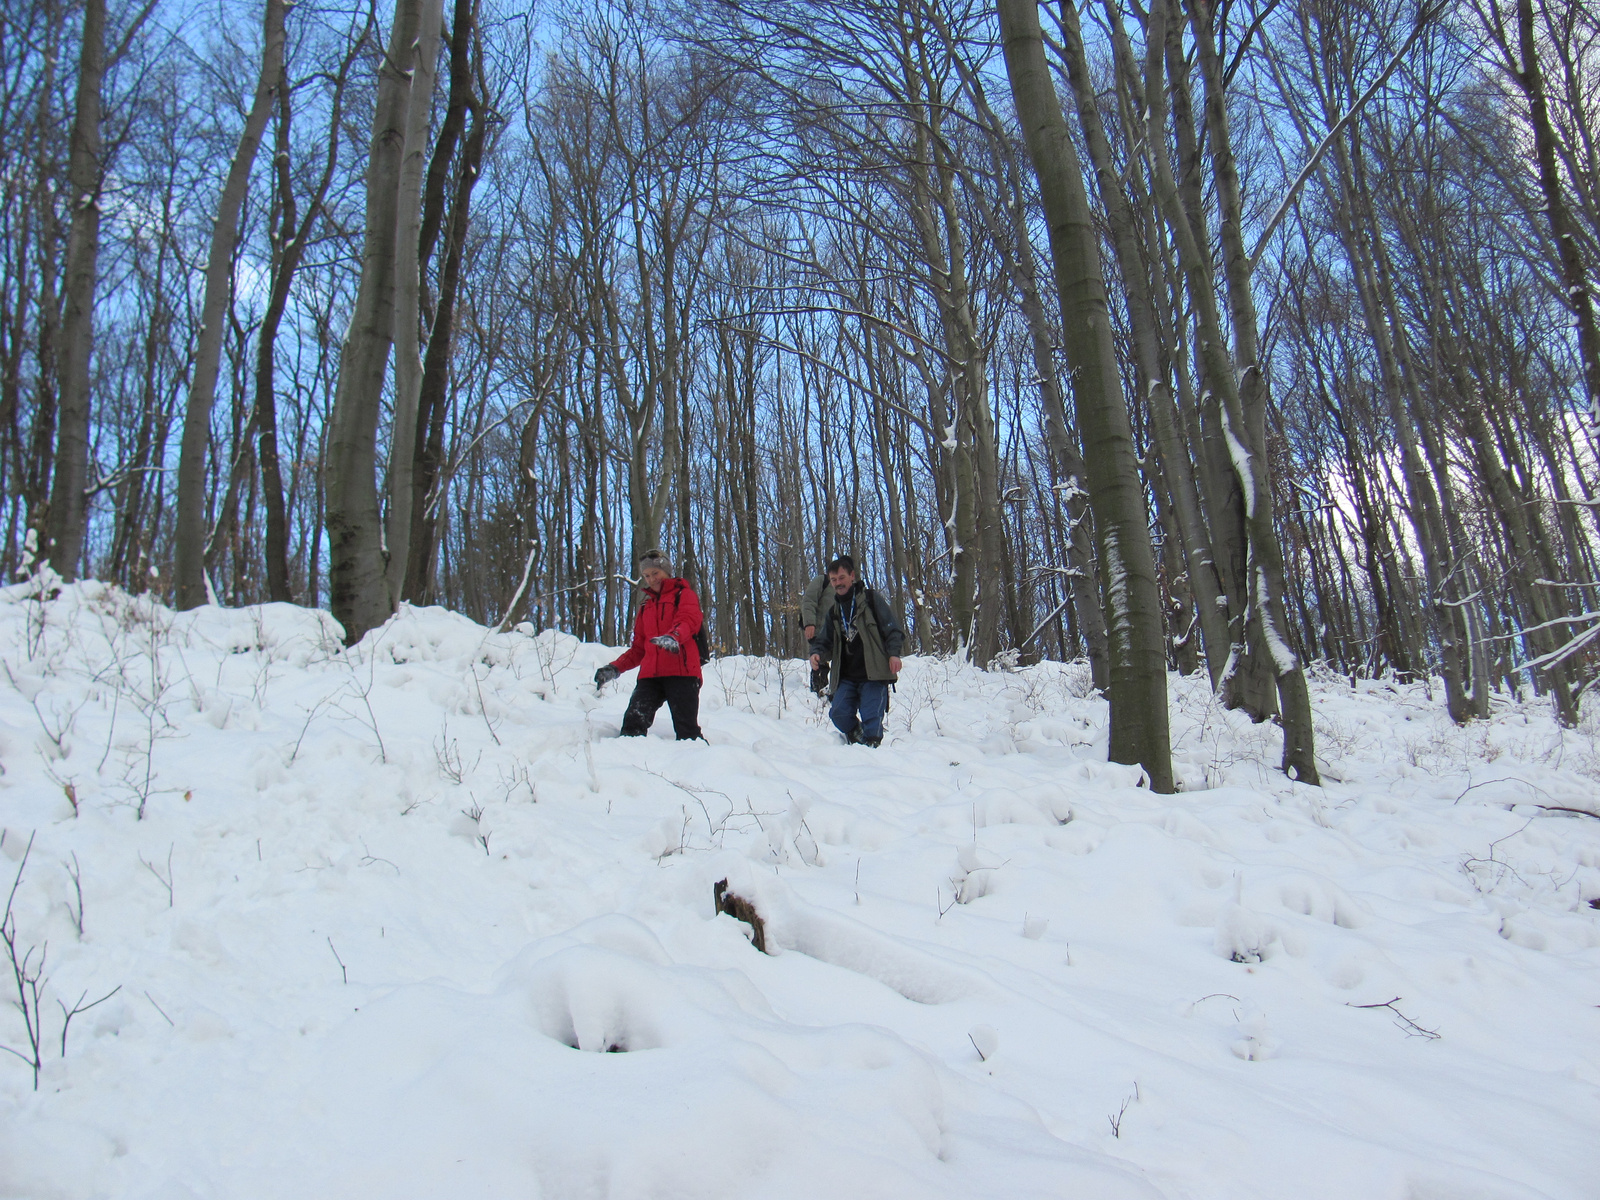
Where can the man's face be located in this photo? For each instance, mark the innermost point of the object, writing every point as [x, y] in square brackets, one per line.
[842, 581]
[653, 577]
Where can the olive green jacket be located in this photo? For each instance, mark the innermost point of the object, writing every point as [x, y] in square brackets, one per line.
[882, 637]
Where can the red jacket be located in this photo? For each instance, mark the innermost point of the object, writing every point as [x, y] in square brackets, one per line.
[675, 609]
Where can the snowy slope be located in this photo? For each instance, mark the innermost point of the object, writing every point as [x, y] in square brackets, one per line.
[337, 981]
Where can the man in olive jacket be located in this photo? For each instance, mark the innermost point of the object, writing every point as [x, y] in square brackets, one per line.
[860, 638]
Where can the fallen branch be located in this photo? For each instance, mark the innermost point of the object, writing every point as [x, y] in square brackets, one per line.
[1582, 812]
[1403, 1022]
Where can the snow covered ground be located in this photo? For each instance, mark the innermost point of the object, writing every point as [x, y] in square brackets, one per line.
[409, 921]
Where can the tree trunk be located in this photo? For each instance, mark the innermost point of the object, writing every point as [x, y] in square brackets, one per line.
[358, 591]
[1177, 468]
[191, 533]
[408, 300]
[1574, 274]
[1528, 542]
[1138, 690]
[1247, 424]
[34, 469]
[1354, 217]
[969, 435]
[68, 517]
[289, 251]
[1249, 679]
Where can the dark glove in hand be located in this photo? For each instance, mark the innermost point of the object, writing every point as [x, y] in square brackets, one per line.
[667, 642]
[605, 675]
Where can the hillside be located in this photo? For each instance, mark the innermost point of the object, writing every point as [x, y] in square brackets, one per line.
[409, 921]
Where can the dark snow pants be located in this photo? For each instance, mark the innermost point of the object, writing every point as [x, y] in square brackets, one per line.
[680, 693]
[870, 699]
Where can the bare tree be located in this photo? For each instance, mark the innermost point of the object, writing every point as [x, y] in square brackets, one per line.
[1564, 27]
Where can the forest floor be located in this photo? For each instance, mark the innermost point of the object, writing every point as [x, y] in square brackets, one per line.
[410, 920]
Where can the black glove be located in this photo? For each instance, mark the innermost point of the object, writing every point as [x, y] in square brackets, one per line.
[667, 642]
[605, 675]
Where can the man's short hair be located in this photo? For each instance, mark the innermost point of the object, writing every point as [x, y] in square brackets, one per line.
[843, 563]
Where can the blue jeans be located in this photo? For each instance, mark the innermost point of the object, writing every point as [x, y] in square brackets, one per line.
[871, 698]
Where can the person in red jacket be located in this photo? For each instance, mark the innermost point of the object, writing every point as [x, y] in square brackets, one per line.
[664, 650]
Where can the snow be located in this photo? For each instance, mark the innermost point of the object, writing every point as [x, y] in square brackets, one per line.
[410, 921]
[1284, 660]
[1243, 466]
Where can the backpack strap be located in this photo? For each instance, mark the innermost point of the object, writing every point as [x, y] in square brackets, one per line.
[701, 644]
